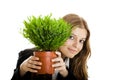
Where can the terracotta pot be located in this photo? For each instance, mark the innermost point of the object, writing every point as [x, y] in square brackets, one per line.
[46, 58]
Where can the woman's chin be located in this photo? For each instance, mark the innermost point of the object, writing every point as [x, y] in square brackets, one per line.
[71, 56]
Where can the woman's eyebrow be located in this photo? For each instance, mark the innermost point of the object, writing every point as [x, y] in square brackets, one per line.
[76, 35]
[83, 38]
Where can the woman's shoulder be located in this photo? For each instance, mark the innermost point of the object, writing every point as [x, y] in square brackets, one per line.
[27, 52]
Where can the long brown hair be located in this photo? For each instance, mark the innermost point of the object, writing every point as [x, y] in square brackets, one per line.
[79, 62]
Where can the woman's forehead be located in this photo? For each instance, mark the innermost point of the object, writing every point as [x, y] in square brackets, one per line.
[79, 32]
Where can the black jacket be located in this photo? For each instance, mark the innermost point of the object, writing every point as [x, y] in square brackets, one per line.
[30, 76]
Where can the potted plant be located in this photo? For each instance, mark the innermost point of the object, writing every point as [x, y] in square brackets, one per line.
[47, 34]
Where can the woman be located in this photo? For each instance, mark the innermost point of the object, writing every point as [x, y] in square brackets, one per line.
[71, 63]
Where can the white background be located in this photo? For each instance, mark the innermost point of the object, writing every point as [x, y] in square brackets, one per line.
[103, 17]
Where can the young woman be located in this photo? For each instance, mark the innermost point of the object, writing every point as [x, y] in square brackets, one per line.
[71, 63]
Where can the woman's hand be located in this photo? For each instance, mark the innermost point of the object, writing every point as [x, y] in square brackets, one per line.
[59, 65]
[30, 64]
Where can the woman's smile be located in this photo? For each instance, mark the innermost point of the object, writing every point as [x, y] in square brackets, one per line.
[73, 51]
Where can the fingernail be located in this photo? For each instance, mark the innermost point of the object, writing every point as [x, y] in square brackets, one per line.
[37, 58]
[52, 65]
[39, 67]
[52, 60]
[40, 63]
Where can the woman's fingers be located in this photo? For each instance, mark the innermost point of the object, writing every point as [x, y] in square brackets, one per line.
[59, 68]
[34, 61]
[33, 58]
[31, 64]
[32, 70]
[58, 53]
[59, 64]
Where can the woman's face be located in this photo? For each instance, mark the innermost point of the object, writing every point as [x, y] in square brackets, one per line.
[75, 43]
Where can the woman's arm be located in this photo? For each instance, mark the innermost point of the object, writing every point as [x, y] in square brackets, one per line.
[23, 55]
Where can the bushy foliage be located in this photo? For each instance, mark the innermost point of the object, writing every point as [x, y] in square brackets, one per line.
[46, 33]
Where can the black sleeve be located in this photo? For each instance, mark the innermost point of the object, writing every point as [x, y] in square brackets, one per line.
[23, 55]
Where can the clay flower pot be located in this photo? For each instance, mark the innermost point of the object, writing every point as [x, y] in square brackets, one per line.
[46, 58]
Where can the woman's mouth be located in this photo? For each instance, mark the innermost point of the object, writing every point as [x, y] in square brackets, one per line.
[73, 51]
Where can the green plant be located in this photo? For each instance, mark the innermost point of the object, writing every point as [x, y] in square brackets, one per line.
[46, 33]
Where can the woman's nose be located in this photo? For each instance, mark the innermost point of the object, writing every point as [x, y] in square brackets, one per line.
[76, 44]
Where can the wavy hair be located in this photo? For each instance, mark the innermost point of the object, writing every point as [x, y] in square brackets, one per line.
[79, 62]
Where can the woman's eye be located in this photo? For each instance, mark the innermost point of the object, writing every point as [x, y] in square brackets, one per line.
[82, 41]
[71, 37]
